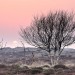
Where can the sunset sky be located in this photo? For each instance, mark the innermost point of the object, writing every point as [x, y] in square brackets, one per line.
[17, 13]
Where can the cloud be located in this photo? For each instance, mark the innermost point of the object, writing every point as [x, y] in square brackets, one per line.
[14, 43]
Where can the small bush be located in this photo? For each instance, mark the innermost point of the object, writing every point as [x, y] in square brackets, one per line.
[60, 66]
[46, 67]
[48, 72]
[25, 69]
[36, 70]
[14, 69]
[15, 66]
[2, 66]
[2, 74]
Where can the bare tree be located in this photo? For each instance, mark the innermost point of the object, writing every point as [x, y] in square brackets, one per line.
[51, 33]
[63, 32]
[24, 51]
[2, 45]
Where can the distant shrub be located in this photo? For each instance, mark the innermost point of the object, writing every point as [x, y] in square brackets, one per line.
[14, 69]
[48, 72]
[2, 74]
[25, 69]
[2, 66]
[36, 70]
[61, 73]
[45, 67]
[60, 66]
[15, 66]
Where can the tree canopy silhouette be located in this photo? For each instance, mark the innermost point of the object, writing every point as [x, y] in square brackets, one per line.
[52, 32]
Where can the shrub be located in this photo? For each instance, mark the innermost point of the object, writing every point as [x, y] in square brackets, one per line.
[2, 66]
[15, 66]
[2, 74]
[60, 66]
[14, 69]
[25, 69]
[46, 67]
[36, 70]
[48, 72]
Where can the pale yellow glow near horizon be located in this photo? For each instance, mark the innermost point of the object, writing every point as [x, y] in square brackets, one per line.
[19, 44]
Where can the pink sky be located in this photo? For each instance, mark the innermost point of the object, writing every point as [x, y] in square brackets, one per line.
[17, 13]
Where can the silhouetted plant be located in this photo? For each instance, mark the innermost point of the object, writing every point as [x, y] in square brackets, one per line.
[2, 45]
[36, 70]
[48, 72]
[51, 33]
[60, 66]
[24, 51]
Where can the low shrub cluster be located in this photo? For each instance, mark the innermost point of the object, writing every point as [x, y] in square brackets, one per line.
[60, 66]
[36, 70]
[48, 72]
[2, 66]
[17, 70]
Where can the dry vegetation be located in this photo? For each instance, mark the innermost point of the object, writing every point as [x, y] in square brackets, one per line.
[43, 70]
[51, 33]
